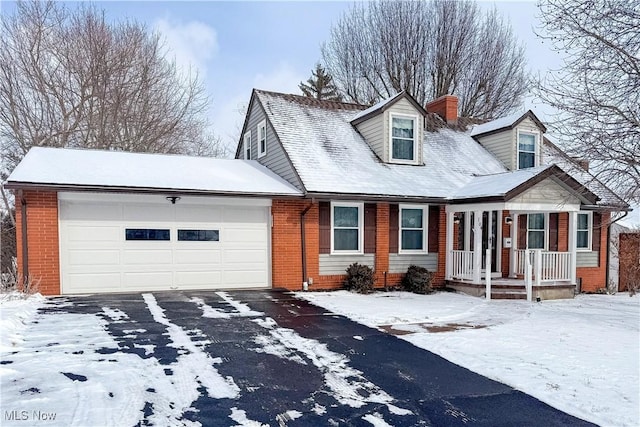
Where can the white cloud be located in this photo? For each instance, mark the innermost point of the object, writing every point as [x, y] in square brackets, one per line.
[192, 44]
[284, 78]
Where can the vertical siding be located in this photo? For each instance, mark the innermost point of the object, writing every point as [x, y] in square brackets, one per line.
[275, 159]
[502, 146]
[373, 132]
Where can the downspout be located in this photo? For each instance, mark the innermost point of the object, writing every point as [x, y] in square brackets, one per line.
[304, 246]
[606, 277]
[23, 219]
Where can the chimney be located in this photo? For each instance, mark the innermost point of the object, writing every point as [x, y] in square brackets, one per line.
[446, 107]
[584, 164]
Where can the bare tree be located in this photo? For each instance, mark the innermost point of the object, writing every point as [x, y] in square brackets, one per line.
[597, 91]
[320, 85]
[70, 78]
[429, 48]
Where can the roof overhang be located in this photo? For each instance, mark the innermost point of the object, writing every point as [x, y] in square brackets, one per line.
[528, 114]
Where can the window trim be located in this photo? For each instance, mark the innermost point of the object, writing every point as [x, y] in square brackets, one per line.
[546, 231]
[360, 206]
[247, 136]
[425, 229]
[589, 231]
[262, 132]
[416, 135]
[536, 145]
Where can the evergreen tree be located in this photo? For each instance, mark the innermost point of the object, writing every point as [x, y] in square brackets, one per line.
[320, 86]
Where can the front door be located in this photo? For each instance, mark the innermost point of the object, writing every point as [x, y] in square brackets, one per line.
[490, 239]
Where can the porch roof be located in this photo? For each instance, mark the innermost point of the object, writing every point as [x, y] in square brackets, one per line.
[505, 186]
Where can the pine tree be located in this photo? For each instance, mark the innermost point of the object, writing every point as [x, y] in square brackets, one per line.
[320, 86]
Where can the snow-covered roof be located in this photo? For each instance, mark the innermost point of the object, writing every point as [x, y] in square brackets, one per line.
[502, 123]
[330, 156]
[58, 167]
[380, 105]
[498, 184]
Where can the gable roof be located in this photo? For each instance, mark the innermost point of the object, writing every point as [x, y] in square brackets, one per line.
[507, 122]
[61, 168]
[384, 105]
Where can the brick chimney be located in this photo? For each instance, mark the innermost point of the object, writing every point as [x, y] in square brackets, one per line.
[446, 107]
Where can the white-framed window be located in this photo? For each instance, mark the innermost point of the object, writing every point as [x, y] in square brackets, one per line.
[262, 138]
[403, 135]
[246, 145]
[536, 231]
[527, 145]
[584, 230]
[347, 228]
[412, 228]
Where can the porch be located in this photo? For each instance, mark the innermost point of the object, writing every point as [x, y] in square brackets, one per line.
[507, 288]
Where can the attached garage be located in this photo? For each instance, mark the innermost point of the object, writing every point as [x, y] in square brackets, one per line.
[124, 243]
[100, 222]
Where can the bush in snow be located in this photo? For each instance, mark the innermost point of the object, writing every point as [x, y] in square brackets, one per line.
[359, 278]
[417, 280]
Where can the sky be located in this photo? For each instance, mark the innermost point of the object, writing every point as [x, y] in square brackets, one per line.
[273, 45]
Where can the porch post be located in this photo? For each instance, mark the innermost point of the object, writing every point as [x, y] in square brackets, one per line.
[477, 247]
[573, 238]
[514, 245]
[449, 245]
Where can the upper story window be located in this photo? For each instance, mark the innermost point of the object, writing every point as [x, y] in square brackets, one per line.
[584, 226]
[262, 138]
[247, 145]
[526, 150]
[403, 132]
[347, 224]
[413, 228]
[536, 232]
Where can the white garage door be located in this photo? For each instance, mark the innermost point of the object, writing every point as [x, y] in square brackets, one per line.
[123, 243]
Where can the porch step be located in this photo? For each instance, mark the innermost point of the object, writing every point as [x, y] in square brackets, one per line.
[508, 294]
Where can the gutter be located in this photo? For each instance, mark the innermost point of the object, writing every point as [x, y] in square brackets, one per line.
[305, 284]
[606, 277]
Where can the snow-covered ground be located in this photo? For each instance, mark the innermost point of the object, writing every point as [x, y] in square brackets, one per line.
[581, 356]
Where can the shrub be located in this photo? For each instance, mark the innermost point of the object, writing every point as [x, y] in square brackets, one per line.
[359, 278]
[417, 280]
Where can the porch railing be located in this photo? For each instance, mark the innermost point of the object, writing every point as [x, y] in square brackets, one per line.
[547, 266]
[462, 264]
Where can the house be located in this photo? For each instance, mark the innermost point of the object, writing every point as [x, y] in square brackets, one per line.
[315, 186]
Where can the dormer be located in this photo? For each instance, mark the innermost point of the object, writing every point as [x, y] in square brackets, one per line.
[516, 140]
[394, 129]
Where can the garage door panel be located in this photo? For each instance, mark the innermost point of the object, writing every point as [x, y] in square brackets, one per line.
[94, 257]
[245, 256]
[192, 256]
[92, 233]
[148, 257]
[147, 280]
[186, 279]
[70, 211]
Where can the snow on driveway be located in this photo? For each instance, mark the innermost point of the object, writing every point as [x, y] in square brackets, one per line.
[581, 356]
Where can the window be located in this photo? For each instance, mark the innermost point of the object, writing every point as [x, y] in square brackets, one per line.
[526, 150]
[584, 226]
[262, 138]
[536, 231]
[146, 234]
[413, 234]
[347, 221]
[247, 146]
[403, 138]
[199, 235]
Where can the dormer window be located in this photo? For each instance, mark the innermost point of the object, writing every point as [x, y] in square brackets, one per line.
[403, 132]
[527, 143]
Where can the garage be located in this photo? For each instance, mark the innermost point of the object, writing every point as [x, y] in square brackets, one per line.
[124, 243]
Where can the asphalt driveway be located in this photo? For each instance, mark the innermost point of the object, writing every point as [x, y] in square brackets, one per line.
[282, 361]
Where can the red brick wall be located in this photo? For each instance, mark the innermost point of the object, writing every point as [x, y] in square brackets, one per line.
[42, 239]
[594, 278]
[506, 252]
[563, 232]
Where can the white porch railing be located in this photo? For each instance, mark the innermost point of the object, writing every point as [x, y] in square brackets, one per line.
[462, 264]
[547, 266]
